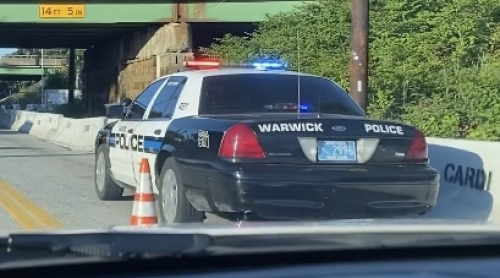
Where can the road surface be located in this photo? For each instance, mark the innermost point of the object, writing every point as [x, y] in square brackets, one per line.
[44, 186]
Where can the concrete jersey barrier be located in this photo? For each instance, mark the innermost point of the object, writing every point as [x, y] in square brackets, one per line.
[468, 169]
[75, 134]
[78, 134]
[469, 178]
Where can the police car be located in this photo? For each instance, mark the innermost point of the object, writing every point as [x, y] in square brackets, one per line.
[263, 141]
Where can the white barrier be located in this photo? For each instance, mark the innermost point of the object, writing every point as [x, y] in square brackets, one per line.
[78, 134]
[469, 179]
[469, 183]
[75, 134]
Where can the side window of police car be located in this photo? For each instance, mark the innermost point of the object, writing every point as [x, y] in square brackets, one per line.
[164, 104]
[141, 103]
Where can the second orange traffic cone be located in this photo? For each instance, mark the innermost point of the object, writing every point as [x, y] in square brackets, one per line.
[144, 210]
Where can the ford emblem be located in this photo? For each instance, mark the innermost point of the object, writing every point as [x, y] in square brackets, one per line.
[338, 128]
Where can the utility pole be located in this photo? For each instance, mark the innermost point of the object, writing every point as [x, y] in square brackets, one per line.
[71, 79]
[359, 53]
[42, 82]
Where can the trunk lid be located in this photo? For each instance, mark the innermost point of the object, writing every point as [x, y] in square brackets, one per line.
[332, 139]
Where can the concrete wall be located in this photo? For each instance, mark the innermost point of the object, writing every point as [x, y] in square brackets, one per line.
[123, 66]
[144, 44]
[136, 74]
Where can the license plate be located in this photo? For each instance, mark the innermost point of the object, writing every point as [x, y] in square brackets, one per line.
[337, 151]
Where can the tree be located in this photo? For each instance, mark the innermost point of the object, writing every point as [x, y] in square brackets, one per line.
[431, 62]
[57, 80]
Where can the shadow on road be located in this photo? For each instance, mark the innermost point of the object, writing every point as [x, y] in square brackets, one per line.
[47, 155]
[18, 148]
[8, 132]
[26, 127]
[127, 196]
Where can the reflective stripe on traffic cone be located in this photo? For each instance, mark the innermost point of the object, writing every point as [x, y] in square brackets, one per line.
[144, 210]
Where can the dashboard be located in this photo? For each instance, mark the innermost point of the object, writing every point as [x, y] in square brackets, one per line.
[421, 269]
[480, 261]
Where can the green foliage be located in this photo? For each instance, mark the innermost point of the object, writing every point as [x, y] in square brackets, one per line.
[432, 62]
[58, 80]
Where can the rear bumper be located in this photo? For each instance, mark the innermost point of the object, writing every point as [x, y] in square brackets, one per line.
[317, 192]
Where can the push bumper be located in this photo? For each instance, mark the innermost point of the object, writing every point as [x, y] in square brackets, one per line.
[313, 192]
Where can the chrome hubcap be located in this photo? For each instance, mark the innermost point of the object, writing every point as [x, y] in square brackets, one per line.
[169, 192]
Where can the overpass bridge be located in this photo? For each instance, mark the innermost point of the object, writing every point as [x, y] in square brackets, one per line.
[20, 67]
[123, 39]
[35, 24]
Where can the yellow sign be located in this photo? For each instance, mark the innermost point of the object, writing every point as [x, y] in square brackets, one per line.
[61, 11]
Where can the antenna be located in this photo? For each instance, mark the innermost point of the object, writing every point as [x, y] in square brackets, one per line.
[298, 76]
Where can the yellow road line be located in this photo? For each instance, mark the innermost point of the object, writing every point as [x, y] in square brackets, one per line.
[27, 214]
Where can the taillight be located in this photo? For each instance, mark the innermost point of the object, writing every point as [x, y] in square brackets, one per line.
[418, 148]
[240, 142]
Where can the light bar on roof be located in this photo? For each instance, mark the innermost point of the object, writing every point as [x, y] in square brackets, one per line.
[268, 64]
[202, 63]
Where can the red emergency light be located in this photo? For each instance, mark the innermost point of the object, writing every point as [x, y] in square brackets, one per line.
[202, 64]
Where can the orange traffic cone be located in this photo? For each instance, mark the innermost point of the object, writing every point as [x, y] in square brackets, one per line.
[144, 210]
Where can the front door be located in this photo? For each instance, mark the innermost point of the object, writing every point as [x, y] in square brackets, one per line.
[153, 128]
[122, 132]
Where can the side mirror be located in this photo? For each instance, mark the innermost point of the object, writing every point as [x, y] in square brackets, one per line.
[126, 102]
[114, 110]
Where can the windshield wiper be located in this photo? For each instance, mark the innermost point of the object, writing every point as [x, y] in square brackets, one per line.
[110, 244]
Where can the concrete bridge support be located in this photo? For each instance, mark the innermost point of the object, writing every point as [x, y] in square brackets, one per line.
[122, 67]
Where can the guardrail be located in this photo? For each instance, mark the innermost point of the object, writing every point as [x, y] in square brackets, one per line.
[32, 60]
[12, 56]
[469, 169]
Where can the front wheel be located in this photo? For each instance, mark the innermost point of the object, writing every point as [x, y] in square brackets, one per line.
[105, 187]
[174, 205]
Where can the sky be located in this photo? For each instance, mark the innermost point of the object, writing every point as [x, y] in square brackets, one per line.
[4, 51]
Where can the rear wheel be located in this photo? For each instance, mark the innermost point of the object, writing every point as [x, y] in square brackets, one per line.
[105, 187]
[174, 205]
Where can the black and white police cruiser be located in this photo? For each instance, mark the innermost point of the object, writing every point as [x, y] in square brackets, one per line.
[266, 142]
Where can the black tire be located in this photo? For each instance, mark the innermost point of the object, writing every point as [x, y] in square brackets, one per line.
[110, 190]
[184, 211]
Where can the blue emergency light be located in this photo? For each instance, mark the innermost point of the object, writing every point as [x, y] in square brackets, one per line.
[260, 64]
[268, 64]
[304, 107]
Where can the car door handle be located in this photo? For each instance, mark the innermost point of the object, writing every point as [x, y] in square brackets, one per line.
[130, 131]
[157, 132]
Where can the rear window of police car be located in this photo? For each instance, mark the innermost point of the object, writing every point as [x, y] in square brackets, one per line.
[268, 93]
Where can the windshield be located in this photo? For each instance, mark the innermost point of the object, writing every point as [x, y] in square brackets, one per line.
[224, 115]
[274, 93]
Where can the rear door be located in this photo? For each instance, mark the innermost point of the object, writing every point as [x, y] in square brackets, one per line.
[320, 123]
[152, 129]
